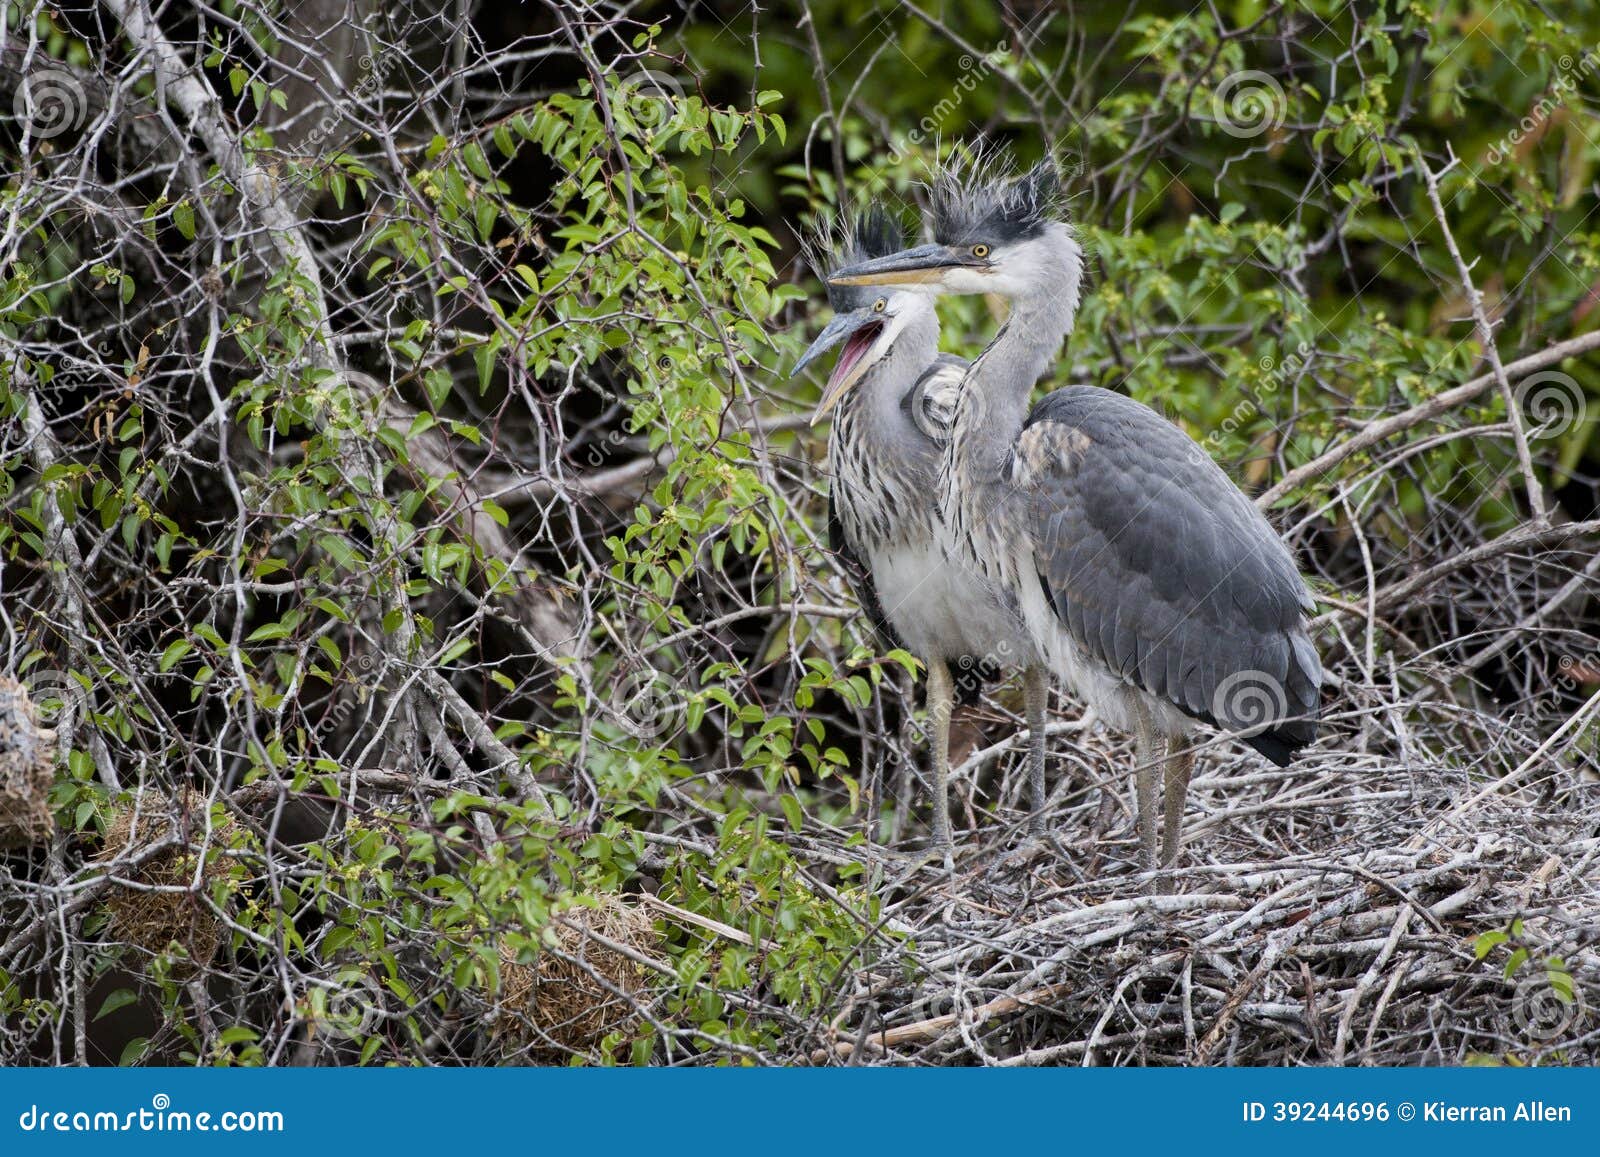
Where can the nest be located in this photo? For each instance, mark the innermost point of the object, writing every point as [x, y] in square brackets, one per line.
[156, 921]
[580, 989]
[1350, 909]
[26, 762]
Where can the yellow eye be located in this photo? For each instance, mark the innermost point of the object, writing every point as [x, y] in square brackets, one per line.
[880, 305]
[980, 251]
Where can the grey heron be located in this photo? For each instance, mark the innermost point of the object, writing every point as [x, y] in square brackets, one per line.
[892, 396]
[1149, 583]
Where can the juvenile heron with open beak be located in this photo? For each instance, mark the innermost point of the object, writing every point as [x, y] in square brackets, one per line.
[891, 395]
[1148, 583]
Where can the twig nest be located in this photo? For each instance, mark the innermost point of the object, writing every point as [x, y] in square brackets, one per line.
[580, 989]
[154, 921]
[26, 762]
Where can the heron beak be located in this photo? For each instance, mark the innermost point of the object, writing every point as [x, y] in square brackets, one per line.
[841, 327]
[858, 329]
[924, 265]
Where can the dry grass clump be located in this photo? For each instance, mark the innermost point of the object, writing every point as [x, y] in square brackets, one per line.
[153, 920]
[26, 760]
[580, 990]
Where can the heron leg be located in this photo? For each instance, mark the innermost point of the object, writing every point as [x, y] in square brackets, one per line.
[1036, 692]
[1147, 751]
[1180, 763]
[941, 699]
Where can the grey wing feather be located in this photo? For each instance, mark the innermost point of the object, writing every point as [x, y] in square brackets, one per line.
[1161, 569]
[931, 402]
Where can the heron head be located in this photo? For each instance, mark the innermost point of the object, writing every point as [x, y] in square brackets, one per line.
[866, 321]
[868, 332]
[994, 232]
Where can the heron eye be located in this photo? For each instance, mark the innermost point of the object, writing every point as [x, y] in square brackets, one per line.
[980, 251]
[880, 305]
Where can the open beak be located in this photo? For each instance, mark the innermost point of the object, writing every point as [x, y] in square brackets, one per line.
[841, 327]
[858, 329]
[924, 265]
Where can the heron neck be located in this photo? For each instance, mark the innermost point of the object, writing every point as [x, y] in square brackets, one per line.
[997, 392]
[876, 413]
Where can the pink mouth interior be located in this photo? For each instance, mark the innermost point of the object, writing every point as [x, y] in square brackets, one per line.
[855, 348]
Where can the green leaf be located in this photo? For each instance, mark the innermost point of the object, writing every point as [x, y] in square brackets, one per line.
[175, 651]
[121, 998]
